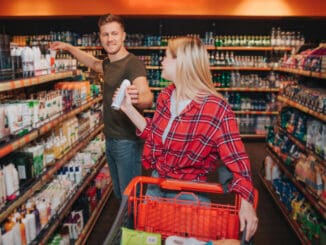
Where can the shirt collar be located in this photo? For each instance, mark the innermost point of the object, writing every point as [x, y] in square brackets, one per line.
[168, 93]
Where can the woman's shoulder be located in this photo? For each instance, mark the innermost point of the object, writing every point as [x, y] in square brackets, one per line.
[216, 104]
[214, 99]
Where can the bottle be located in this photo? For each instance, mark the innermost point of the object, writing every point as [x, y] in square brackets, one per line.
[22, 231]
[41, 206]
[37, 219]
[9, 224]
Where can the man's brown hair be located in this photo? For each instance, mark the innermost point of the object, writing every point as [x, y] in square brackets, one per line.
[108, 18]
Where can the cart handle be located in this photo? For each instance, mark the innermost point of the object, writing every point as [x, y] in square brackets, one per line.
[175, 185]
[179, 185]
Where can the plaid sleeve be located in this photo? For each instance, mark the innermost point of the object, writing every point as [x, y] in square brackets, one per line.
[234, 156]
[146, 130]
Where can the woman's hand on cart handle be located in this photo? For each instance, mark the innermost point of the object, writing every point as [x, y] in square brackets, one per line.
[248, 218]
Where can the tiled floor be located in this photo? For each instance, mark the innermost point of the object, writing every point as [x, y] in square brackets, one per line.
[273, 229]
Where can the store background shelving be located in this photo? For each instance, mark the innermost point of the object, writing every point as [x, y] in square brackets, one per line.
[14, 143]
[58, 219]
[253, 50]
[313, 83]
[158, 25]
[18, 142]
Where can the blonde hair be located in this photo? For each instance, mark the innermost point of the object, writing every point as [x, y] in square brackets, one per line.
[193, 76]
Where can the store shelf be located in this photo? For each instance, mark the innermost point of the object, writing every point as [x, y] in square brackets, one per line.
[149, 111]
[294, 225]
[267, 90]
[236, 112]
[244, 48]
[58, 219]
[315, 202]
[253, 136]
[256, 112]
[238, 89]
[44, 178]
[26, 82]
[94, 217]
[294, 71]
[283, 48]
[82, 143]
[146, 47]
[153, 67]
[303, 108]
[239, 68]
[321, 75]
[224, 68]
[301, 146]
[90, 47]
[225, 48]
[156, 88]
[21, 141]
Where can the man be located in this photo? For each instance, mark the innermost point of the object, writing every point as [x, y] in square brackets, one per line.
[123, 148]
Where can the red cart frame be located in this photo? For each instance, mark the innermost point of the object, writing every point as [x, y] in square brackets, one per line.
[174, 216]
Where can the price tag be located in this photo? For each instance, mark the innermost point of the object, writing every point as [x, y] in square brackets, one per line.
[151, 240]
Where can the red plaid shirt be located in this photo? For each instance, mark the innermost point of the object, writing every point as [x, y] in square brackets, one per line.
[198, 137]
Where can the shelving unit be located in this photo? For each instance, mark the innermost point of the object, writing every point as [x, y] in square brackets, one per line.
[302, 108]
[240, 89]
[26, 82]
[321, 75]
[263, 90]
[314, 200]
[311, 197]
[227, 68]
[34, 134]
[230, 48]
[302, 146]
[57, 219]
[95, 215]
[48, 173]
[294, 225]
[237, 112]
[240, 68]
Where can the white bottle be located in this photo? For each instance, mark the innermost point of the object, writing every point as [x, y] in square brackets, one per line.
[119, 98]
[176, 240]
[42, 207]
[276, 174]
[17, 234]
[27, 231]
[30, 218]
[268, 168]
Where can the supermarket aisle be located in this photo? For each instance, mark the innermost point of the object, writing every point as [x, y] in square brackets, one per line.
[273, 229]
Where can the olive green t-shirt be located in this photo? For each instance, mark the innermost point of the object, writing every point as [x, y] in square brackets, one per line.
[116, 124]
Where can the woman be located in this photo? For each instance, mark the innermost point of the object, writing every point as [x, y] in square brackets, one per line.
[193, 126]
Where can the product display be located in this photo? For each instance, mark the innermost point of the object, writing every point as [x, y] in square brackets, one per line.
[238, 87]
[54, 179]
[44, 133]
[296, 166]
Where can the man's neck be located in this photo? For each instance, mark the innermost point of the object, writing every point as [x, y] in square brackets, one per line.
[123, 52]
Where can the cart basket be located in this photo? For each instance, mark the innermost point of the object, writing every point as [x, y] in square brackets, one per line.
[175, 216]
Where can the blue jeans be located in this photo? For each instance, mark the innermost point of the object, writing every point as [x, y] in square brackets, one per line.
[156, 191]
[124, 159]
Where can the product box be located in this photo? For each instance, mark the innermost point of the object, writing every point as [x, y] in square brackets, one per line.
[133, 237]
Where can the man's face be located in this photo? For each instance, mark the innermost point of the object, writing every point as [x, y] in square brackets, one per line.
[112, 37]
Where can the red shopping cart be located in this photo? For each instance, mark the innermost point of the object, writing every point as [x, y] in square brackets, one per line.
[175, 216]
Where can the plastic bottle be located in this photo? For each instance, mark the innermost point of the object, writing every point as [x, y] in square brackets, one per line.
[37, 219]
[268, 168]
[175, 240]
[22, 231]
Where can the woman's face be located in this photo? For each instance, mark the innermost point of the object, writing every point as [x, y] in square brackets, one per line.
[169, 66]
